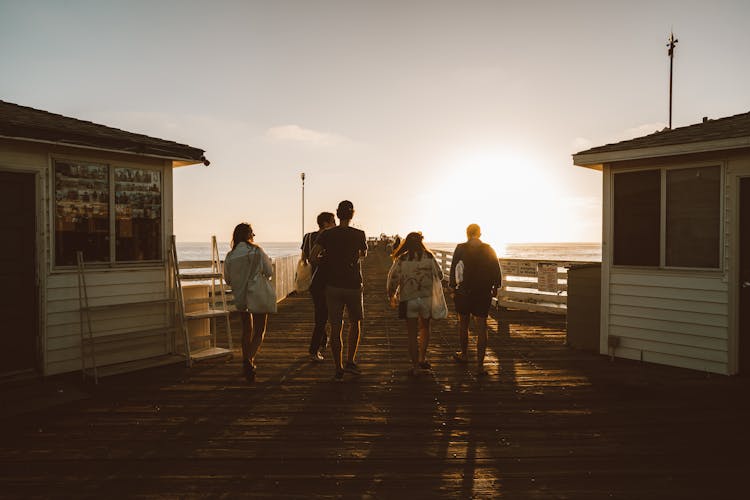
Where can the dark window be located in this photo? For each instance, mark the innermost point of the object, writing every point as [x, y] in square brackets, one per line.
[636, 218]
[138, 214]
[81, 212]
[693, 217]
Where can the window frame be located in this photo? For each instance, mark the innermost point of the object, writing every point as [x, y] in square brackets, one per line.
[112, 262]
[663, 169]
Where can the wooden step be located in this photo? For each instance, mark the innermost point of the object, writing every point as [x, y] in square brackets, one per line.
[205, 314]
[211, 352]
[202, 300]
[200, 276]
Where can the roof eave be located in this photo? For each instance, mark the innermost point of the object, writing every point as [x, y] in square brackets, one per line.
[596, 160]
[176, 161]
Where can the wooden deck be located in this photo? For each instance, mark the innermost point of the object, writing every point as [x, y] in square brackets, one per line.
[549, 422]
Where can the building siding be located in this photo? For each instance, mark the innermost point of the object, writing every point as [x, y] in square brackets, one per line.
[660, 315]
[677, 317]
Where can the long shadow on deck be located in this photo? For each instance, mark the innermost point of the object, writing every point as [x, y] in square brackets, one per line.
[548, 422]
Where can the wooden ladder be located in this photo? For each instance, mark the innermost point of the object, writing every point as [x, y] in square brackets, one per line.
[215, 308]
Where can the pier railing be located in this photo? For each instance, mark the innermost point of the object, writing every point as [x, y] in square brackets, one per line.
[532, 285]
[284, 269]
[528, 284]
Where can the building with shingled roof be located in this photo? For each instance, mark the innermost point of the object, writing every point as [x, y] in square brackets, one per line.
[68, 185]
[676, 245]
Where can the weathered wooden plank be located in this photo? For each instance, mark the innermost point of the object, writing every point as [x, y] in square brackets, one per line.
[715, 332]
[644, 312]
[712, 281]
[696, 306]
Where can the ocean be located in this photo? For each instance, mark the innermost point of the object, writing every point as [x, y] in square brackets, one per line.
[586, 252]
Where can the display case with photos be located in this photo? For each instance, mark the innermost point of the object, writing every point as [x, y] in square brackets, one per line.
[81, 212]
[91, 199]
[138, 210]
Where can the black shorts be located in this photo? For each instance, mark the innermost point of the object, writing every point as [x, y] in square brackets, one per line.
[476, 302]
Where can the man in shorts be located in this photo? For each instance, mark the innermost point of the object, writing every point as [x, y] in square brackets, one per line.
[475, 277]
[343, 247]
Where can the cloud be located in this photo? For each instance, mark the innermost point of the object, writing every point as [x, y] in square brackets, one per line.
[295, 133]
[639, 131]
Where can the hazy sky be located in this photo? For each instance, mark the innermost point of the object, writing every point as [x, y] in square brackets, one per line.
[428, 115]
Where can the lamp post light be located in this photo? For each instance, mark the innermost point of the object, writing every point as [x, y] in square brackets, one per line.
[302, 176]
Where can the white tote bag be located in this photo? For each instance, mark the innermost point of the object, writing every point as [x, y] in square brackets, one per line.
[261, 295]
[439, 306]
[304, 275]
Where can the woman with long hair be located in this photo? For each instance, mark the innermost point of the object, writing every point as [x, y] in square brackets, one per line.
[411, 276]
[244, 262]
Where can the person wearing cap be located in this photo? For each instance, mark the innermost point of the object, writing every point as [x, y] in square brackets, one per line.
[343, 247]
[475, 277]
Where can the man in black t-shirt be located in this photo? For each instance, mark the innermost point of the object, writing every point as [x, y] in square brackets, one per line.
[342, 248]
[318, 341]
[475, 276]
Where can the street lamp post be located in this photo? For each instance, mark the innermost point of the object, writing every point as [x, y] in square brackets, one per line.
[302, 176]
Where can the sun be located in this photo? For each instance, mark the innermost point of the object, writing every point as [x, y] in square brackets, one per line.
[502, 191]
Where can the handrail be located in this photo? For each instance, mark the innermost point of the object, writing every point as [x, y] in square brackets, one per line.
[283, 272]
[528, 284]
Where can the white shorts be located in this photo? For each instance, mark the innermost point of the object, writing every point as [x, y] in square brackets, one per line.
[421, 307]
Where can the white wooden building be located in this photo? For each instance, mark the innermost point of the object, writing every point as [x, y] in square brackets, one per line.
[676, 246]
[70, 185]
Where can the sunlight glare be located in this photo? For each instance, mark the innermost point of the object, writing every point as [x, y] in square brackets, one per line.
[503, 191]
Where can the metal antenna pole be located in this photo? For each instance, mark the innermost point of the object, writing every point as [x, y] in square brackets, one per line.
[672, 43]
[302, 176]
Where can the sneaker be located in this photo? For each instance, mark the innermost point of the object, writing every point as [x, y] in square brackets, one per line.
[459, 358]
[339, 377]
[351, 367]
[316, 356]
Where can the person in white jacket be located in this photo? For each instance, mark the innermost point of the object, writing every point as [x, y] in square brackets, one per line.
[238, 266]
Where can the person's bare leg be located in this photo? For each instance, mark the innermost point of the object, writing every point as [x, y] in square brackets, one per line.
[481, 327]
[259, 322]
[463, 334]
[337, 330]
[411, 331]
[246, 335]
[354, 333]
[424, 338]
